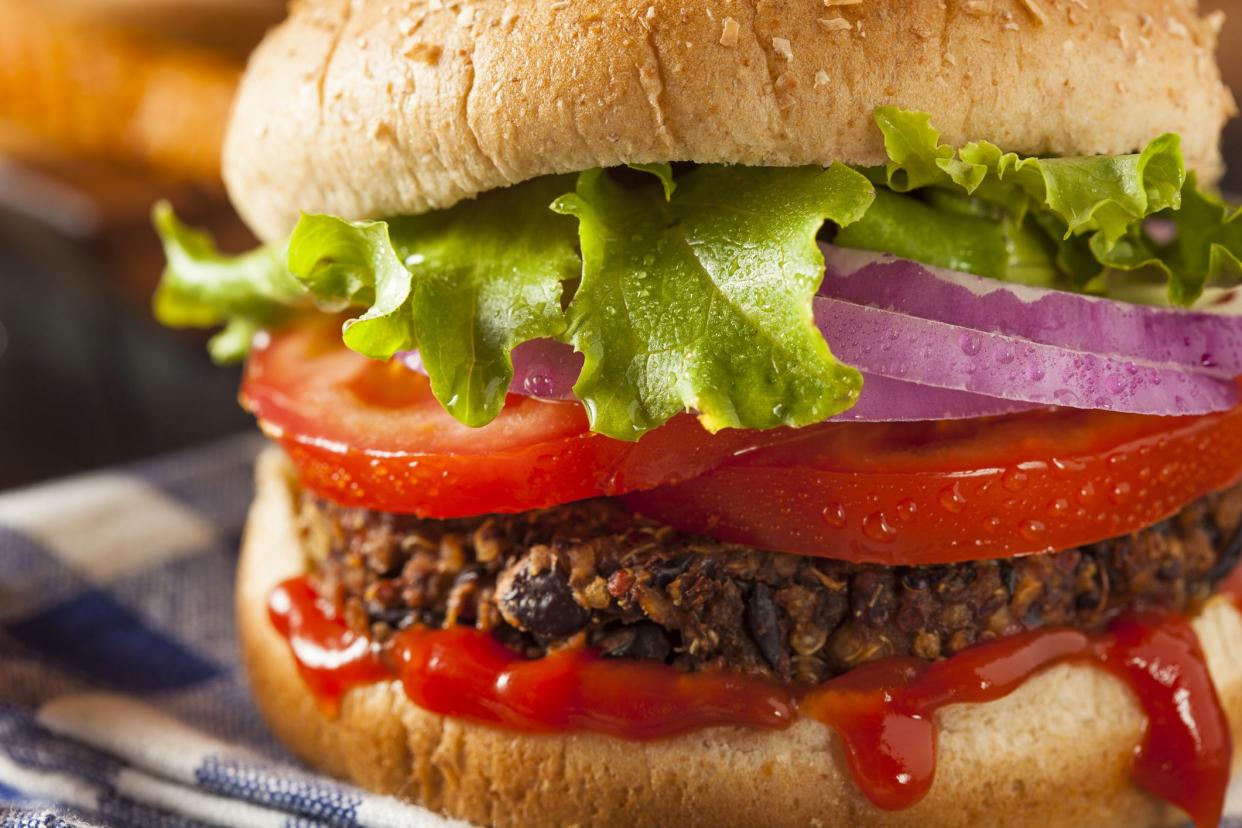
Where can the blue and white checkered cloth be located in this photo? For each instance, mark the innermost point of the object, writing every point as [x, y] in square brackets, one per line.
[121, 699]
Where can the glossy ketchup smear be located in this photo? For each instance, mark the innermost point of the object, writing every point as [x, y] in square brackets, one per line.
[884, 712]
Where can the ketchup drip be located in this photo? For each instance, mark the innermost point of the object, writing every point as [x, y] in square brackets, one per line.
[884, 712]
[1187, 750]
[330, 656]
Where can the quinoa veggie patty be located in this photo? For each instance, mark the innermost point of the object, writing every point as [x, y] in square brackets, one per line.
[591, 572]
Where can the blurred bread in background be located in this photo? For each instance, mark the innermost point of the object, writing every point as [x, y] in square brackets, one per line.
[143, 83]
[229, 26]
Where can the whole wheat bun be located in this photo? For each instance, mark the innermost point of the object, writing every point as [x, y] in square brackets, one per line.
[371, 108]
[1055, 752]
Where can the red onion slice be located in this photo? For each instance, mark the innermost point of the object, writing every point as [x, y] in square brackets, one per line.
[921, 369]
[887, 400]
[547, 370]
[927, 352]
[1204, 342]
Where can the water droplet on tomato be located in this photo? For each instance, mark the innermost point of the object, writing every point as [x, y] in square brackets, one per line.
[969, 343]
[1120, 493]
[1032, 530]
[907, 511]
[1057, 508]
[992, 524]
[951, 499]
[1014, 480]
[877, 527]
[834, 515]
[1086, 494]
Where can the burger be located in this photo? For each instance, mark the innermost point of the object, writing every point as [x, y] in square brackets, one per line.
[719, 413]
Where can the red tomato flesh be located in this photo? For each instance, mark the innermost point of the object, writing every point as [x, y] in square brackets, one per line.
[947, 491]
[367, 433]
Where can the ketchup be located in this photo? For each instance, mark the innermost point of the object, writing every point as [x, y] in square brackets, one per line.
[330, 656]
[1187, 750]
[466, 673]
[884, 711]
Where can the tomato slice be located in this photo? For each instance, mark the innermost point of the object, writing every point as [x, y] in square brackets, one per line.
[371, 434]
[367, 433]
[923, 493]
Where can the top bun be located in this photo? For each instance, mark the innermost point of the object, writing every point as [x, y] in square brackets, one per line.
[370, 108]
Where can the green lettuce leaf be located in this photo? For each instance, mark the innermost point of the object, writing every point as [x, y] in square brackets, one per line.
[1099, 195]
[913, 229]
[1089, 210]
[464, 285]
[202, 287]
[1204, 251]
[917, 158]
[700, 297]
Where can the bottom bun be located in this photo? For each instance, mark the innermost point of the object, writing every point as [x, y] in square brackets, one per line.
[1055, 752]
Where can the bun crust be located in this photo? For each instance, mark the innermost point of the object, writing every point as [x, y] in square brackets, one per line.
[1056, 752]
[355, 109]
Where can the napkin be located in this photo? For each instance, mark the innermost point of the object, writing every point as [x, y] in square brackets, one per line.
[121, 697]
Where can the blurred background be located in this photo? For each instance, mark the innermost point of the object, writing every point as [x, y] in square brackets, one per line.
[105, 107]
